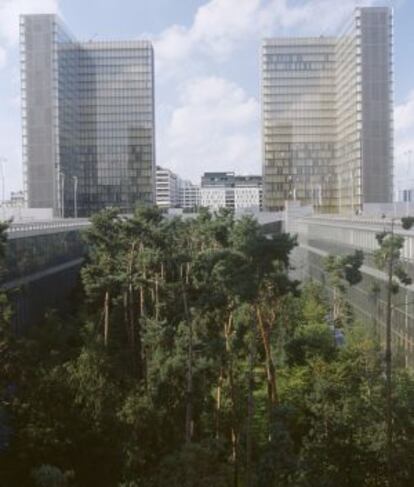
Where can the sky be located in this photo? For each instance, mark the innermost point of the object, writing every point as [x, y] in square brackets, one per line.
[207, 71]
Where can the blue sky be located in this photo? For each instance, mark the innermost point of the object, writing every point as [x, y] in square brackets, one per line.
[207, 70]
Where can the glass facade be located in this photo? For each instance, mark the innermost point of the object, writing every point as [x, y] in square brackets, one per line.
[298, 100]
[39, 105]
[327, 116]
[97, 143]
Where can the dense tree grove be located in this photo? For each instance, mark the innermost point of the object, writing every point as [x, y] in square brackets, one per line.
[192, 360]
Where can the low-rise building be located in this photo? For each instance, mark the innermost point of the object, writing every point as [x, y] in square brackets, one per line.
[406, 195]
[226, 190]
[167, 188]
[190, 198]
[174, 192]
[16, 200]
[248, 192]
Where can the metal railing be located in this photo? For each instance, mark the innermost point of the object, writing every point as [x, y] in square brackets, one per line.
[16, 230]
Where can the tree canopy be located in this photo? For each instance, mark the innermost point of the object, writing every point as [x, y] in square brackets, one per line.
[191, 358]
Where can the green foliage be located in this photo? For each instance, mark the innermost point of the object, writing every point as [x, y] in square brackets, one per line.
[277, 464]
[345, 268]
[342, 270]
[3, 238]
[194, 466]
[391, 246]
[407, 222]
[50, 476]
[352, 264]
[313, 304]
[310, 341]
[192, 360]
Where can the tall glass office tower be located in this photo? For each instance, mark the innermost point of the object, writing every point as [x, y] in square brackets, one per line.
[327, 116]
[88, 120]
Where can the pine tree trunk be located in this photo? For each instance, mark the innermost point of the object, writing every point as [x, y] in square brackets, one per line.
[218, 403]
[250, 410]
[189, 425]
[157, 301]
[126, 317]
[234, 431]
[234, 442]
[135, 345]
[129, 327]
[106, 318]
[388, 362]
[187, 273]
[270, 368]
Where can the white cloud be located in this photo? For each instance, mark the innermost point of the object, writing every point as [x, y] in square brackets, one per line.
[204, 120]
[404, 141]
[10, 140]
[10, 11]
[220, 27]
[3, 57]
[214, 127]
[404, 115]
[217, 26]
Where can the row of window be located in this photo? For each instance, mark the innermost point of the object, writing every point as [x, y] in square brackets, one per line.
[273, 168]
[304, 146]
[116, 94]
[303, 66]
[296, 47]
[317, 158]
[114, 136]
[289, 58]
[306, 101]
[280, 78]
[295, 130]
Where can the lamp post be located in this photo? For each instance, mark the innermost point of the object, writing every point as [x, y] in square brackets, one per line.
[293, 190]
[340, 192]
[312, 195]
[325, 186]
[62, 193]
[75, 196]
[352, 194]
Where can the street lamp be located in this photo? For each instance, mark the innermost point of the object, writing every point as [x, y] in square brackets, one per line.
[62, 194]
[293, 191]
[75, 196]
[352, 193]
[327, 188]
[312, 195]
[340, 192]
[319, 194]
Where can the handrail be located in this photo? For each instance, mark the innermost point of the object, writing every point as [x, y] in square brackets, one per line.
[25, 227]
[357, 222]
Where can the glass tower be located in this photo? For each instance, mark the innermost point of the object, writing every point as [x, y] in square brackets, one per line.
[327, 116]
[88, 120]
